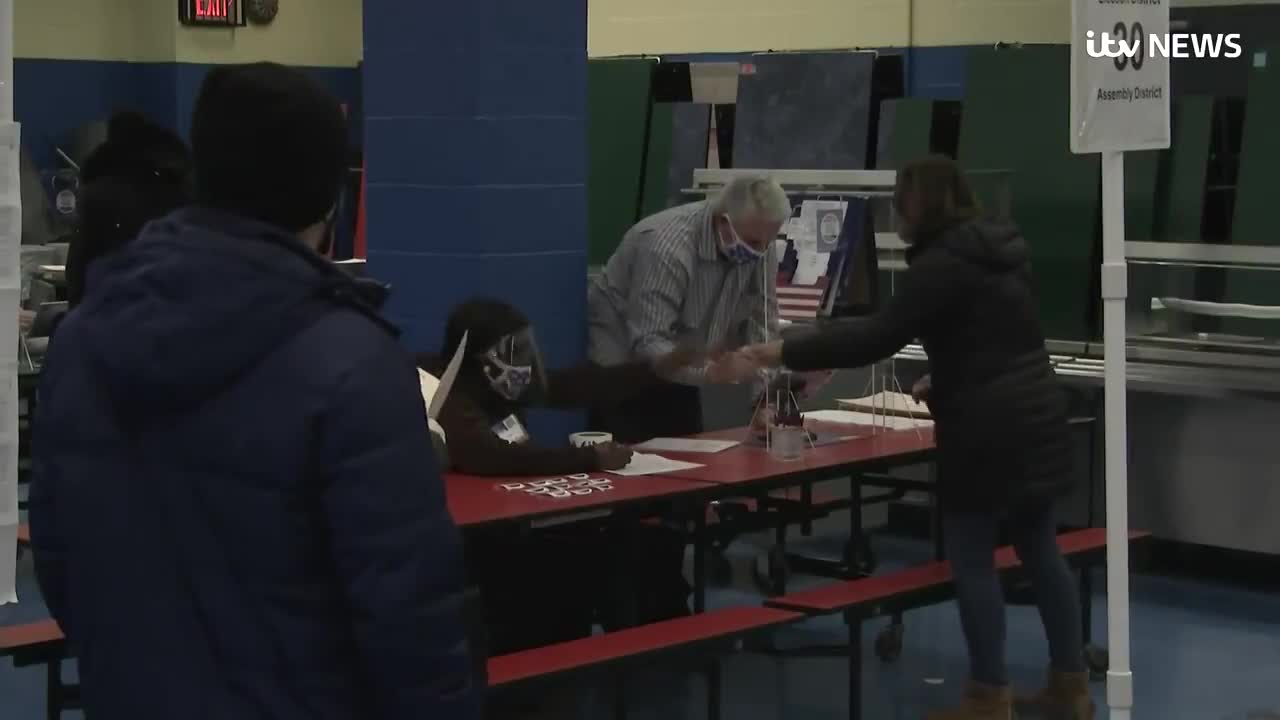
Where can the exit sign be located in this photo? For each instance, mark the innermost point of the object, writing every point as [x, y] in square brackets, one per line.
[216, 13]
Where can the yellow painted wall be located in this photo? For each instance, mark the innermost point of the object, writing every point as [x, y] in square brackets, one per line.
[131, 30]
[328, 34]
[632, 27]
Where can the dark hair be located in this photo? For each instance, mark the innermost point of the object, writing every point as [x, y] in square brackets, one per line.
[941, 194]
[484, 320]
[270, 144]
[141, 172]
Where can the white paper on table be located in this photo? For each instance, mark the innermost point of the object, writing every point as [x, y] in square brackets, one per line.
[848, 417]
[645, 464]
[886, 403]
[689, 445]
[8, 563]
[809, 267]
[446, 380]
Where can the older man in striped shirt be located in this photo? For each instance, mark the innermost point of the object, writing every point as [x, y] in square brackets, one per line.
[703, 273]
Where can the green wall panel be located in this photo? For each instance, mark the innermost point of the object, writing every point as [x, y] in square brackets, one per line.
[618, 97]
[657, 167]
[1016, 118]
[911, 122]
[1179, 211]
[1254, 219]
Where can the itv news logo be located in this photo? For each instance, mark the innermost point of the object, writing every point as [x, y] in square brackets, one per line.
[1130, 46]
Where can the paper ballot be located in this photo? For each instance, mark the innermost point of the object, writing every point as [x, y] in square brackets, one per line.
[688, 445]
[809, 267]
[642, 464]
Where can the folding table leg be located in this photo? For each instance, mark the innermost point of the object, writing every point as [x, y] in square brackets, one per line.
[1086, 603]
[53, 690]
[700, 560]
[713, 690]
[619, 698]
[806, 502]
[855, 666]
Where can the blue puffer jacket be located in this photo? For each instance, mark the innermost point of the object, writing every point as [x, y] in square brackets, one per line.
[236, 512]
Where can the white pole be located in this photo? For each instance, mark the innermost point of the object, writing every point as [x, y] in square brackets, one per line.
[10, 237]
[6, 60]
[1114, 293]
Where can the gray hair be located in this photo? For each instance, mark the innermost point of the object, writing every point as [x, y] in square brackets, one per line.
[753, 195]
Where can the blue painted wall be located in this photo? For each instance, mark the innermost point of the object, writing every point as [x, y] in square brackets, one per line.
[475, 147]
[54, 97]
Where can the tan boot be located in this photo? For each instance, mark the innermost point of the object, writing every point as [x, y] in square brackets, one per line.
[980, 702]
[1065, 698]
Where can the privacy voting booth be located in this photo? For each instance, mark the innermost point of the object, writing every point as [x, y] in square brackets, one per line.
[1118, 104]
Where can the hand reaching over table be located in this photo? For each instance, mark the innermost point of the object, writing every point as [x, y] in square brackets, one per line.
[612, 456]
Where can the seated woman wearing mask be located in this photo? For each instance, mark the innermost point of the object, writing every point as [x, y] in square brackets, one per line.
[484, 420]
[1004, 453]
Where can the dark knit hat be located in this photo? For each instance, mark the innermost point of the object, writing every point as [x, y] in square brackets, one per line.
[269, 144]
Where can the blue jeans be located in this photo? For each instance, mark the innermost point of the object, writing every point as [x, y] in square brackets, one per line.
[970, 542]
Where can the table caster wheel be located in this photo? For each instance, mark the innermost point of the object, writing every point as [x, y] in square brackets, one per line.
[719, 569]
[859, 557]
[771, 572]
[889, 643]
[1098, 660]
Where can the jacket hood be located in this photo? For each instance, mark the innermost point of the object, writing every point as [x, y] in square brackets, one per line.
[198, 299]
[994, 244]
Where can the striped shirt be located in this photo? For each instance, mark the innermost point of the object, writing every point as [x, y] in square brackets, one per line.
[668, 284]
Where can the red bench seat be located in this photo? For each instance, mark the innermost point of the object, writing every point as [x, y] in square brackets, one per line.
[862, 591]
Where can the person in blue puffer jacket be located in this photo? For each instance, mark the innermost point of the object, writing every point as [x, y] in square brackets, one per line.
[236, 511]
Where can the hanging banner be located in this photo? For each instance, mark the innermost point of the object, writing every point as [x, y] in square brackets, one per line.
[1120, 53]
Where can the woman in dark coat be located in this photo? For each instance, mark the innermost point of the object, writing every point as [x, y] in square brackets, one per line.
[1004, 453]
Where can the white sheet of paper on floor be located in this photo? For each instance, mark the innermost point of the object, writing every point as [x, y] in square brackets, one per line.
[646, 464]
[688, 445]
[810, 267]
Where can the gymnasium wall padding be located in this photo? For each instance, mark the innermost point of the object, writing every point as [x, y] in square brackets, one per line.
[1180, 198]
[905, 128]
[1141, 174]
[658, 155]
[1254, 219]
[475, 119]
[1016, 118]
[619, 95]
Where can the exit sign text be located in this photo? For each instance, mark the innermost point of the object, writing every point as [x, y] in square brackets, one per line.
[218, 13]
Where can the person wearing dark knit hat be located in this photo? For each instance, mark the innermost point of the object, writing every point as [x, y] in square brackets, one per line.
[141, 172]
[229, 410]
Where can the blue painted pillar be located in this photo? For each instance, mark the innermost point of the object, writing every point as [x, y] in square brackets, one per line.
[475, 149]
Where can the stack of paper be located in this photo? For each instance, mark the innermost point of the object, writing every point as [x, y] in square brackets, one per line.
[687, 445]
[642, 464]
[887, 403]
[849, 417]
[10, 303]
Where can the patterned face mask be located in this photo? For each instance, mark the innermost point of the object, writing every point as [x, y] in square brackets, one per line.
[513, 366]
[736, 250]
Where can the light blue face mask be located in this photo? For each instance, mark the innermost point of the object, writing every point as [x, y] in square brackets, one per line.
[737, 251]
